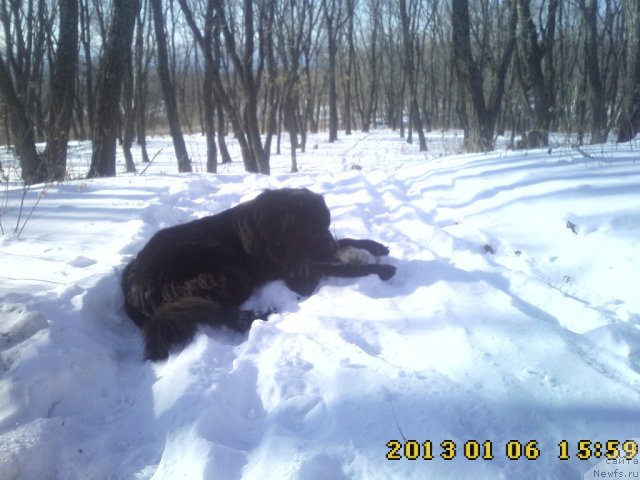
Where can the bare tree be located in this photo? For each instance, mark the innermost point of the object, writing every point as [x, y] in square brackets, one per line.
[368, 80]
[221, 101]
[25, 42]
[537, 53]
[22, 131]
[393, 86]
[249, 70]
[113, 66]
[309, 47]
[597, 99]
[265, 66]
[141, 69]
[85, 42]
[267, 51]
[297, 21]
[334, 18]
[210, 44]
[351, 63]
[18, 94]
[128, 117]
[629, 122]
[168, 89]
[480, 114]
[63, 77]
[204, 38]
[408, 19]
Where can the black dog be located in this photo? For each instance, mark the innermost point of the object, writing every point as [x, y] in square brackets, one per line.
[202, 271]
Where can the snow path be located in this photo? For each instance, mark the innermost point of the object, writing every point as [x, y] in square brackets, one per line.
[539, 340]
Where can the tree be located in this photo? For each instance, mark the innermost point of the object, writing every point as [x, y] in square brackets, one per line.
[309, 45]
[112, 70]
[392, 85]
[168, 90]
[22, 131]
[351, 60]
[297, 20]
[128, 117]
[216, 97]
[141, 68]
[204, 39]
[85, 42]
[25, 34]
[263, 66]
[597, 99]
[334, 19]
[366, 97]
[267, 51]
[537, 54]
[249, 69]
[62, 95]
[481, 114]
[629, 122]
[210, 44]
[408, 19]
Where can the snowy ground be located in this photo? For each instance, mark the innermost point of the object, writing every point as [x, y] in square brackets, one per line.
[501, 325]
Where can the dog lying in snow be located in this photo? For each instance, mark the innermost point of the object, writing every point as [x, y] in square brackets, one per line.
[202, 271]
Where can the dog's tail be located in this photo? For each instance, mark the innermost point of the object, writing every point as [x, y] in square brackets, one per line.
[176, 323]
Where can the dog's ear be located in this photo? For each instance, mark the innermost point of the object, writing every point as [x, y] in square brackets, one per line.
[276, 229]
[247, 231]
[288, 223]
[263, 230]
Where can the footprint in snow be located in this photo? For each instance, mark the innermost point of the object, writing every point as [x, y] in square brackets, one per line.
[81, 262]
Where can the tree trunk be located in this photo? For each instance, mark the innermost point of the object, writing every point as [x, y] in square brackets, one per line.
[351, 66]
[168, 89]
[332, 21]
[129, 118]
[207, 91]
[222, 127]
[629, 122]
[33, 170]
[290, 125]
[272, 96]
[409, 37]
[478, 122]
[480, 115]
[534, 55]
[25, 43]
[373, 72]
[245, 124]
[599, 128]
[85, 40]
[248, 128]
[113, 65]
[63, 80]
[140, 89]
[78, 125]
[209, 117]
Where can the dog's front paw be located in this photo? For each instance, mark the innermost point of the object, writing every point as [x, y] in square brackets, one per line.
[385, 272]
[371, 246]
[375, 248]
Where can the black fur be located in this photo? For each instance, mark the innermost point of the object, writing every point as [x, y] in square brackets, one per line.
[202, 271]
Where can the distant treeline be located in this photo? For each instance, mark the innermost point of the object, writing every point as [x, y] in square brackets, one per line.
[114, 70]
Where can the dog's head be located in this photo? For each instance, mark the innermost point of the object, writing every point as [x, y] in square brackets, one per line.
[288, 226]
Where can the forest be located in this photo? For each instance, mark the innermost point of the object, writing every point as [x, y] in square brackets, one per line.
[114, 72]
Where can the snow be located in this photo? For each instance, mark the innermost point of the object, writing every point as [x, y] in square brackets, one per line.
[501, 323]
